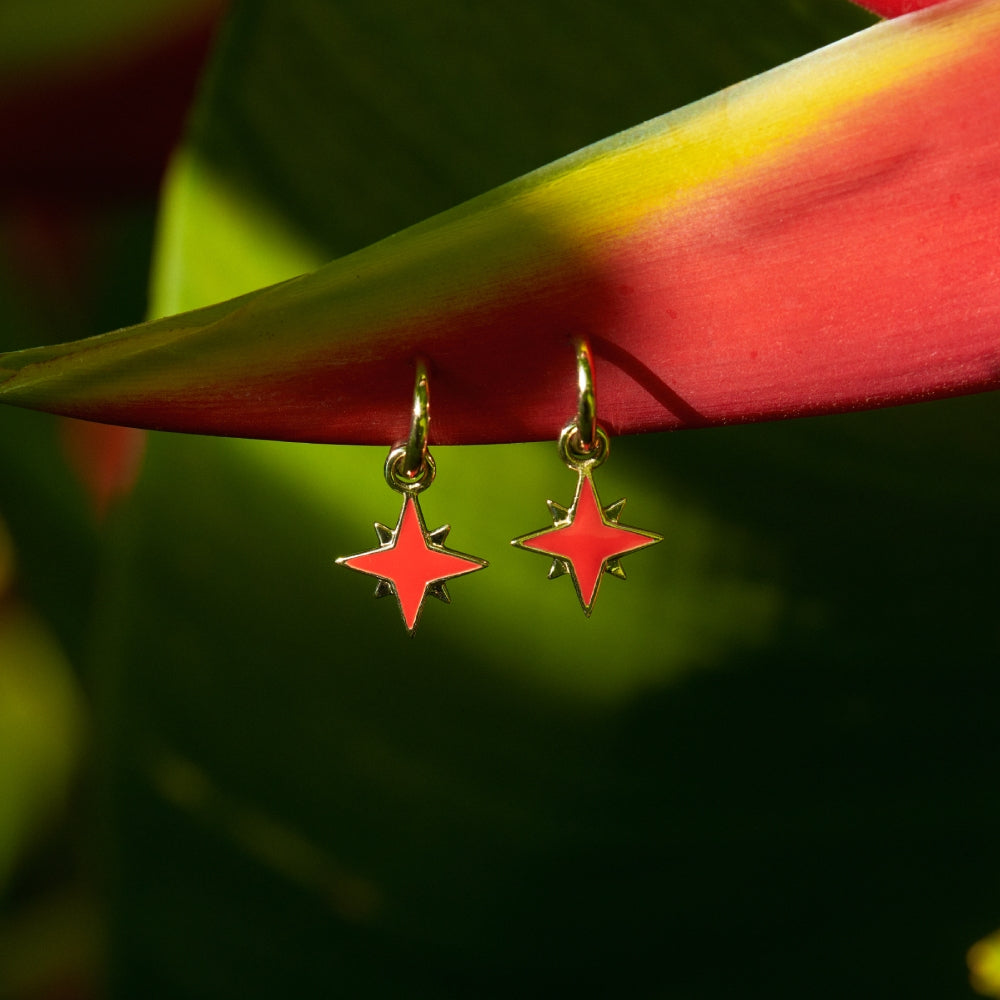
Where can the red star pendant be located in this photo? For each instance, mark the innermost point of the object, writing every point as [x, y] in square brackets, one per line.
[586, 541]
[412, 562]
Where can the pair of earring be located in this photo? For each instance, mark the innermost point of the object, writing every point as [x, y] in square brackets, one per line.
[584, 542]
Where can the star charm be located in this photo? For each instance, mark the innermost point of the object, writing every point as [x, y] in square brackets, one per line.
[411, 562]
[586, 541]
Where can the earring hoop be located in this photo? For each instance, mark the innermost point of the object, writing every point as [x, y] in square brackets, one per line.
[410, 468]
[583, 444]
[586, 410]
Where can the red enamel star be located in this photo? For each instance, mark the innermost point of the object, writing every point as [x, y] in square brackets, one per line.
[586, 541]
[412, 562]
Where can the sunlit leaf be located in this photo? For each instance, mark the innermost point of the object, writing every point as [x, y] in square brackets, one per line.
[817, 239]
[984, 965]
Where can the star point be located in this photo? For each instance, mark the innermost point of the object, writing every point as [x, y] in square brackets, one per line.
[412, 562]
[586, 541]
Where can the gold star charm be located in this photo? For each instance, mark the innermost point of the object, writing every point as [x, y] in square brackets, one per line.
[586, 540]
[412, 562]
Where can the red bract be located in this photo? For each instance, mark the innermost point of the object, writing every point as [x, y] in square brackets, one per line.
[893, 8]
[820, 238]
[100, 128]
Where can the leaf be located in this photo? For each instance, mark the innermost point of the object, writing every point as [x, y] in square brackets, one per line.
[790, 707]
[725, 260]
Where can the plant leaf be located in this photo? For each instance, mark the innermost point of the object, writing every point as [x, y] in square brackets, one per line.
[817, 239]
[762, 727]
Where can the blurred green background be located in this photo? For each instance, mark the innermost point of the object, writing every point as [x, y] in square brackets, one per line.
[767, 766]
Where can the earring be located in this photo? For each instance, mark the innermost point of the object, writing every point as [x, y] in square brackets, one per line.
[410, 561]
[586, 541]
